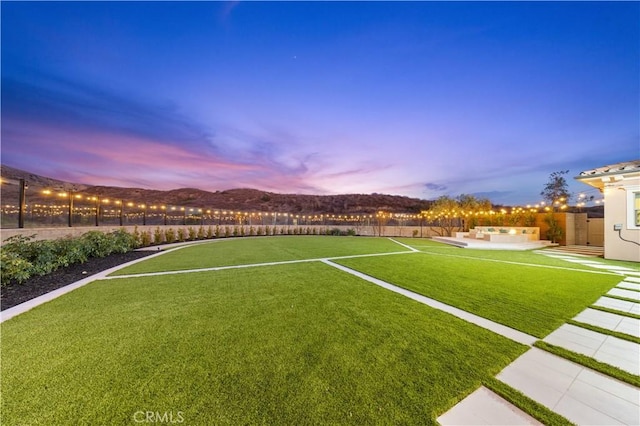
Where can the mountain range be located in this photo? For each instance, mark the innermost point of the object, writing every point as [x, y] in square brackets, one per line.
[244, 199]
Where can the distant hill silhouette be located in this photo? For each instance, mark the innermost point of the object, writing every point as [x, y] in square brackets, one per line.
[243, 199]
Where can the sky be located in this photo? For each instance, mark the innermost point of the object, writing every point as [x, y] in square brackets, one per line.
[422, 99]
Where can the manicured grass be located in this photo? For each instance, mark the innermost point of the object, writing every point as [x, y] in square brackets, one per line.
[606, 331]
[614, 311]
[241, 251]
[526, 404]
[535, 300]
[428, 245]
[526, 256]
[287, 344]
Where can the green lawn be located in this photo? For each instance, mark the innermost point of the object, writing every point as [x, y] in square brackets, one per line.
[287, 344]
[527, 256]
[242, 251]
[535, 300]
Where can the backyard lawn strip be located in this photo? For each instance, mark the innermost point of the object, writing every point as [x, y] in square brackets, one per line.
[591, 363]
[614, 311]
[606, 331]
[244, 251]
[530, 299]
[526, 404]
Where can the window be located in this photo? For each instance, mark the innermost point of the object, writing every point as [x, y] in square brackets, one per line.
[633, 207]
[636, 208]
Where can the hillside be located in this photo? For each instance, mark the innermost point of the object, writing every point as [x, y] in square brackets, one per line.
[243, 199]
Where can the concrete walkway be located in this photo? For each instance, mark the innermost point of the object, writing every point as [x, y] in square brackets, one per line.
[581, 395]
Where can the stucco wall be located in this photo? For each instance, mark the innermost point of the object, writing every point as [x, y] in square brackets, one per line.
[615, 212]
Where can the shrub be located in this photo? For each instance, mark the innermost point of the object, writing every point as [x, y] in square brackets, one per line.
[23, 258]
[267, 230]
[259, 231]
[415, 233]
[227, 231]
[145, 238]
[137, 237]
[122, 241]
[13, 267]
[158, 236]
[209, 232]
[182, 234]
[201, 233]
[96, 243]
[192, 233]
[169, 235]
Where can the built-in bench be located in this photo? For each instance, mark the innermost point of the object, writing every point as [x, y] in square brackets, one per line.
[502, 234]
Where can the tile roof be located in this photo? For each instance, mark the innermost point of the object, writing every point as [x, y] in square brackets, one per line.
[613, 169]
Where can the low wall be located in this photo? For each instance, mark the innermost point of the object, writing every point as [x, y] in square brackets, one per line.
[384, 231]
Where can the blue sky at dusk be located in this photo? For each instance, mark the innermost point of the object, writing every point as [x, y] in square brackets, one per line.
[412, 98]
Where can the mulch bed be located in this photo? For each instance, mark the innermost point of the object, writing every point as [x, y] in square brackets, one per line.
[13, 294]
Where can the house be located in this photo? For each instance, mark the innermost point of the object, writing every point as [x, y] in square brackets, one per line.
[620, 184]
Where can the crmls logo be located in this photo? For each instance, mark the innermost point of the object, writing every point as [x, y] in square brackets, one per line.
[158, 417]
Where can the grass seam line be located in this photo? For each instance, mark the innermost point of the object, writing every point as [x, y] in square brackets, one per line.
[522, 264]
[404, 245]
[530, 406]
[250, 265]
[588, 362]
[625, 299]
[606, 331]
[614, 311]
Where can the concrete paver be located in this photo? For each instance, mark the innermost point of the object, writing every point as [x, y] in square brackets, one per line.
[608, 349]
[619, 305]
[632, 279]
[484, 407]
[629, 285]
[629, 294]
[613, 322]
[575, 392]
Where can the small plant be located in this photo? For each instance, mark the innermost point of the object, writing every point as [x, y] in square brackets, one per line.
[145, 239]
[555, 231]
[209, 232]
[227, 232]
[137, 237]
[252, 231]
[314, 231]
[259, 231]
[415, 233]
[267, 230]
[158, 236]
[217, 232]
[182, 234]
[170, 235]
[193, 234]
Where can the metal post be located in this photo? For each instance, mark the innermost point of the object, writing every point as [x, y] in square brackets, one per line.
[70, 222]
[97, 211]
[23, 203]
[121, 213]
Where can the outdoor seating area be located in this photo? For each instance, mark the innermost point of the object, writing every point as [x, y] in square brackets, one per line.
[503, 234]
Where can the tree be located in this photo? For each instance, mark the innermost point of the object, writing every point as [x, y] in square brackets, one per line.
[556, 191]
